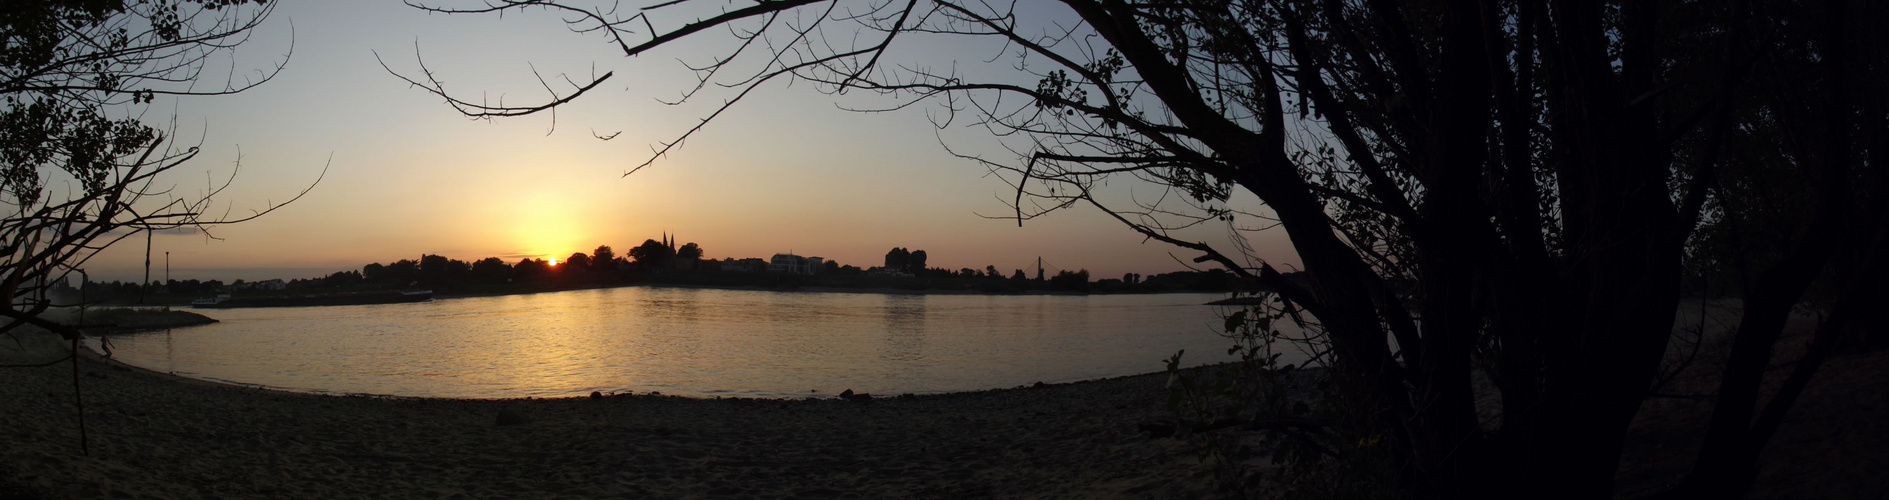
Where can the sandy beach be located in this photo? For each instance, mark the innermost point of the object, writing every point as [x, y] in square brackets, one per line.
[158, 436]
[1834, 443]
[154, 435]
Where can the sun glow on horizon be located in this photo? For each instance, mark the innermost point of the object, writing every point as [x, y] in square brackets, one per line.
[545, 223]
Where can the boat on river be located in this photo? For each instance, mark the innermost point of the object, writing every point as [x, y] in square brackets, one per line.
[329, 299]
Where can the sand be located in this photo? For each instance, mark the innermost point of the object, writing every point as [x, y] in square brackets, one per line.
[1834, 443]
[157, 436]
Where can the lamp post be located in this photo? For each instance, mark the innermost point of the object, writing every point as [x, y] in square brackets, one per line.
[145, 287]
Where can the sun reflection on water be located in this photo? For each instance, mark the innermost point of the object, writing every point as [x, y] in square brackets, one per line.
[688, 341]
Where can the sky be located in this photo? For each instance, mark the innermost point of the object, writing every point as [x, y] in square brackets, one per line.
[786, 170]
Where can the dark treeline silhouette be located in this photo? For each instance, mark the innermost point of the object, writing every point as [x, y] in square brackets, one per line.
[80, 155]
[130, 292]
[905, 260]
[451, 275]
[654, 262]
[1493, 201]
[664, 262]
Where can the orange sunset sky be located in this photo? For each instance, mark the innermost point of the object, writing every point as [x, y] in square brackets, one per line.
[785, 171]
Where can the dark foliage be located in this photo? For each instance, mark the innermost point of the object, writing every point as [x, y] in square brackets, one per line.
[1508, 189]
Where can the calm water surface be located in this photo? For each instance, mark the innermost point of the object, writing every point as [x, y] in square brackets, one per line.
[686, 341]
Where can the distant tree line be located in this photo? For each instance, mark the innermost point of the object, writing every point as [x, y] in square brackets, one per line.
[131, 291]
[601, 264]
[662, 262]
[913, 262]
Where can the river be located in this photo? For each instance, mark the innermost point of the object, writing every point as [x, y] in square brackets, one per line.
[688, 341]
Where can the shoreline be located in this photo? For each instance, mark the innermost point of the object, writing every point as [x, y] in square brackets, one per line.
[156, 435]
[184, 301]
[224, 353]
[809, 289]
[93, 356]
[144, 319]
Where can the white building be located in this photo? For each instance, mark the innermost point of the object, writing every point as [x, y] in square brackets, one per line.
[790, 263]
[272, 284]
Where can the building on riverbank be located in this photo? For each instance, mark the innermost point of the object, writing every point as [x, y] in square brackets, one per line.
[790, 263]
[749, 265]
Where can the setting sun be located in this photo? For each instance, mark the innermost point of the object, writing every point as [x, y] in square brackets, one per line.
[545, 223]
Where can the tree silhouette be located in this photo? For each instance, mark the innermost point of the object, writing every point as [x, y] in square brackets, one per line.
[490, 270]
[401, 272]
[1070, 280]
[1503, 189]
[577, 263]
[603, 259]
[917, 262]
[689, 251]
[529, 268]
[79, 170]
[898, 259]
[437, 269]
[651, 254]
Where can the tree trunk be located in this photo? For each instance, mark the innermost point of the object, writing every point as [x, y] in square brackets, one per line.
[1621, 248]
[1728, 460]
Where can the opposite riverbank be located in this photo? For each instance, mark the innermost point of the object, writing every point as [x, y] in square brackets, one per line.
[183, 300]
